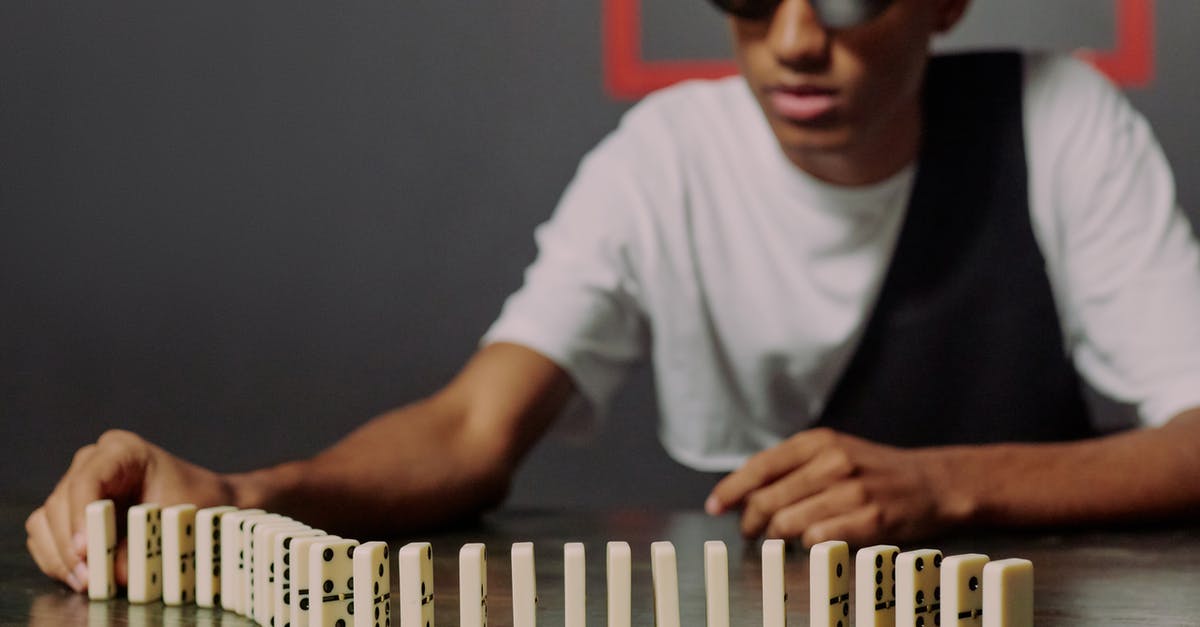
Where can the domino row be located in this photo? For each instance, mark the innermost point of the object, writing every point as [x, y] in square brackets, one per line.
[249, 558]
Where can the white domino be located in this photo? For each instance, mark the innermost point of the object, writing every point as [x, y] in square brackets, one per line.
[716, 583]
[472, 585]
[262, 595]
[829, 584]
[524, 585]
[918, 586]
[574, 585]
[774, 588]
[232, 557]
[875, 586]
[208, 555]
[145, 566]
[373, 582]
[285, 559]
[249, 569]
[301, 600]
[179, 554]
[101, 520]
[331, 583]
[665, 577]
[962, 590]
[1008, 593]
[619, 564]
[416, 584]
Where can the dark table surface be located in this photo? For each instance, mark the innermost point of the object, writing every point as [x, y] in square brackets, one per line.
[1145, 576]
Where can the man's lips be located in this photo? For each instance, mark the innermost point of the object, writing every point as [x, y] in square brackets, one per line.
[802, 104]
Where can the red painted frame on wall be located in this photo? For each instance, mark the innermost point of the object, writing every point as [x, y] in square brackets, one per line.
[1130, 62]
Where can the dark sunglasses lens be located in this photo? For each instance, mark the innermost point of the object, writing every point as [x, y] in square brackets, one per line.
[848, 13]
[831, 13]
[748, 9]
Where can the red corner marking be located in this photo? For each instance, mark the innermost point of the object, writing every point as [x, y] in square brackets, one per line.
[627, 76]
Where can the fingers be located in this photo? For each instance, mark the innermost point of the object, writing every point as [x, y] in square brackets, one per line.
[766, 467]
[825, 470]
[40, 543]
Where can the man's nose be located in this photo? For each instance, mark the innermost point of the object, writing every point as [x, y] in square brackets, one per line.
[797, 37]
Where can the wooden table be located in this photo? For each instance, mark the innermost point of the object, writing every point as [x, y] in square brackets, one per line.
[1147, 576]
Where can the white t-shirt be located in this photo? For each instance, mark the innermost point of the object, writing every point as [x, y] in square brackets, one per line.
[688, 236]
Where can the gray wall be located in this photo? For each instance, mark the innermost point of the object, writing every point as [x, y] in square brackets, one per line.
[241, 229]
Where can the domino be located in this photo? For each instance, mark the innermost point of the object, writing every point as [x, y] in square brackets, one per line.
[301, 600]
[284, 567]
[665, 577]
[918, 588]
[232, 557]
[524, 585]
[101, 520]
[774, 590]
[208, 555]
[1008, 593]
[416, 584]
[331, 583]
[472, 585]
[875, 570]
[262, 595]
[145, 566]
[248, 569]
[179, 554]
[620, 584]
[962, 590]
[574, 585]
[829, 584]
[373, 577]
[716, 583]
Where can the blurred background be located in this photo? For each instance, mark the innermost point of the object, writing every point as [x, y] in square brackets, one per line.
[242, 229]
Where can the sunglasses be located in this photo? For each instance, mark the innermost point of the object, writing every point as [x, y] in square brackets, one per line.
[831, 13]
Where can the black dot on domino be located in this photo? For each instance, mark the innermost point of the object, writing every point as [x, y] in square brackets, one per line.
[350, 584]
[839, 569]
[878, 594]
[328, 585]
[879, 561]
[973, 584]
[183, 596]
[422, 588]
[287, 543]
[920, 621]
[937, 593]
[920, 564]
[350, 607]
[376, 590]
[327, 555]
[920, 597]
[879, 576]
[937, 561]
[845, 610]
[381, 569]
[217, 600]
[341, 622]
[287, 598]
[304, 604]
[350, 552]
[187, 530]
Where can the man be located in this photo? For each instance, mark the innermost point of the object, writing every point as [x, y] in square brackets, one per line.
[862, 242]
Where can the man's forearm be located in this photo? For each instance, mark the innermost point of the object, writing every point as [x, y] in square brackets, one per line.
[1143, 474]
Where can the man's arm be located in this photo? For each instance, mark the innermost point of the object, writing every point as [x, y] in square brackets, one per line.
[441, 458]
[822, 485]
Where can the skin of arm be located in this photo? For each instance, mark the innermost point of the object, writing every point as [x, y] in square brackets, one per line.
[443, 458]
[822, 485]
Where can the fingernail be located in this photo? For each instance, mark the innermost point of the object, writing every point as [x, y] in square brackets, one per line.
[80, 543]
[81, 573]
[712, 506]
[73, 581]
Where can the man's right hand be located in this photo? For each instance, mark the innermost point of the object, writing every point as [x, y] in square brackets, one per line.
[127, 469]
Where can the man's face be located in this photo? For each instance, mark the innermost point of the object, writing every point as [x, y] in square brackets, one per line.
[850, 92]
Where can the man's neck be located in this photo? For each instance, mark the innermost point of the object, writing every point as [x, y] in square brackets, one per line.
[880, 155]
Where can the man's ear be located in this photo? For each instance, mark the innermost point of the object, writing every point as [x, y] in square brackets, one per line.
[949, 12]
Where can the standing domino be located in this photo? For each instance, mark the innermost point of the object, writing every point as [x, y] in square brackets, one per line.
[1008, 593]
[232, 557]
[208, 555]
[301, 601]
[373, 580]
[774, 590]
[285, 568]
[962, 590]
[144, 525]
[875, 582]
[331, 583]
[262, 596]
[574, 585]
[918, 588]
[665, 576]
[524, 585]
[620, 584]
[716, 583]
[829, 584]
[101, 521]
[472, 585]
[179, 554]
[249, 569]
[416, 584]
